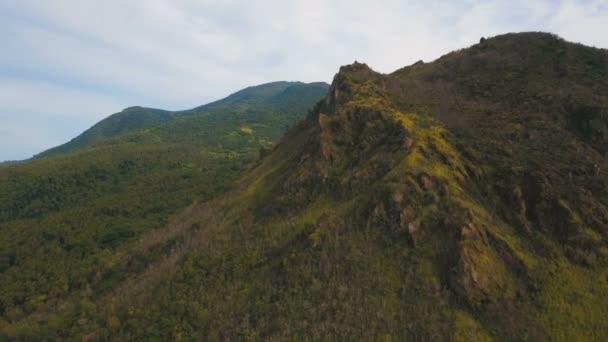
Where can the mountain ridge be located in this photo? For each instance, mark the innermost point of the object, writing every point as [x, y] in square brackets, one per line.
[137, 117]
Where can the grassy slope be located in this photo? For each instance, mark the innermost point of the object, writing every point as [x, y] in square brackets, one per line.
[67, 221]
[464, 199]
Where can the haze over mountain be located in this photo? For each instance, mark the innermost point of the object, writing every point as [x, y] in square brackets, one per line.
[463, 199]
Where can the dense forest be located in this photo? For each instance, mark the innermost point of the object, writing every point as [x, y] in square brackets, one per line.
[463, 199]
[69, 219]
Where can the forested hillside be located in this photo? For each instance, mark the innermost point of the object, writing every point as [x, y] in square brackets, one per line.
[67, 221]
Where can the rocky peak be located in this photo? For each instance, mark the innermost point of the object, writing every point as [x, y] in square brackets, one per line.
[346, 79]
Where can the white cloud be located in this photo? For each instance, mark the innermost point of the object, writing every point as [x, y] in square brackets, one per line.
[178, 54]
[585, 22]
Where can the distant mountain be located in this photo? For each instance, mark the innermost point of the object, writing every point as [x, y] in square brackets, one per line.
[464, 199]
[137, 118]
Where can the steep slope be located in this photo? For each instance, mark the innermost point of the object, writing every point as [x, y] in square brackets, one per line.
[463, 199]
[415, 206]
[252, 98]
[67, 221]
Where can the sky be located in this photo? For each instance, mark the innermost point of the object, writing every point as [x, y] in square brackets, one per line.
[65, 65]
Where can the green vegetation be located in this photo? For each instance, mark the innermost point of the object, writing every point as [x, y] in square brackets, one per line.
[463, 199]
[69, 222]
[277, 103]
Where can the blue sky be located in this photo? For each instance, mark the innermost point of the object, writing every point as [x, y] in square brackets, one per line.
[65, 65]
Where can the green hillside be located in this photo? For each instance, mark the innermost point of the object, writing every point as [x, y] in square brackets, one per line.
[464, 199]
[286, 97]
[68, 220]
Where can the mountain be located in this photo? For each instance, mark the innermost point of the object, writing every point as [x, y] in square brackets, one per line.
[268, 95]
[67, 218]
[463, 199]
